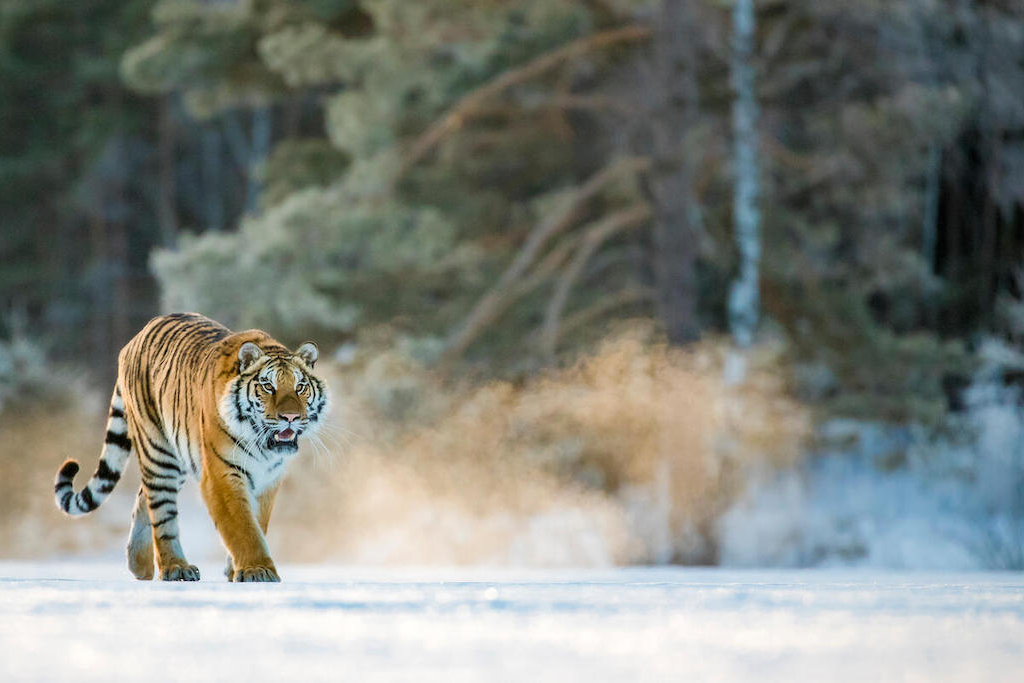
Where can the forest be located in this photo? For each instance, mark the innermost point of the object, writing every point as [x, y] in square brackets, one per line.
[599, 281]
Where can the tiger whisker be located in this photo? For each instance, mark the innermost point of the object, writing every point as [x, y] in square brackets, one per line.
[318, 442]
[341, 435]
[331, 426]
[337, 442]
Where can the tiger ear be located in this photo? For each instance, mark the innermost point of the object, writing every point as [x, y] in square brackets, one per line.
[247, 355]
[308, 353]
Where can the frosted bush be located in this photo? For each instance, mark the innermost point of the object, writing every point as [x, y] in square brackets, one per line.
[318, 263]
[896, 496]
[25, 375]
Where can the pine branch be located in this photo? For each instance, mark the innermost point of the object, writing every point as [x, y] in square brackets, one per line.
[454, 118]
[591, 103]
[592, 240]
[497, 298]
[629, 295]
[497, 301]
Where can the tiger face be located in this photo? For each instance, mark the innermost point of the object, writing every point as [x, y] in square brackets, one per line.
[275, 398]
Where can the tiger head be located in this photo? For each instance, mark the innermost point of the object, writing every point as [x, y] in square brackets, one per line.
[275, 397]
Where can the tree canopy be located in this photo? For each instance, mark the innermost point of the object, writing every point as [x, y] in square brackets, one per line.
[500, 184]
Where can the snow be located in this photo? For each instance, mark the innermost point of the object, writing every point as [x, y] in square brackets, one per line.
[92, 622]
[895, 496]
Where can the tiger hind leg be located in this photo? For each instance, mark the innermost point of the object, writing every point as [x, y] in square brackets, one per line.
[162, 478]
[140, 540]
[163, 517]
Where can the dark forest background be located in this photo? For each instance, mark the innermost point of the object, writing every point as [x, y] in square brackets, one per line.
[494, 188]
[891, 140]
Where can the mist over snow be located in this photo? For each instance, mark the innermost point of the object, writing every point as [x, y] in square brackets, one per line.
[593, 468]
[894, 497]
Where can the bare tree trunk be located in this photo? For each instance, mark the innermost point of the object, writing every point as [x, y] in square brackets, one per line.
[99, 319]
[930, 222]
[237, 144]
[930, 225]
[292, 117]
[744, 297]
[120, 291]
[168, 191]
[213, 198]
[670, 182]
[117, 233]
[259, 150]
[988, 255]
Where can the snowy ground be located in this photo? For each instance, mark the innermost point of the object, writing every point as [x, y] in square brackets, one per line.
[87, 622]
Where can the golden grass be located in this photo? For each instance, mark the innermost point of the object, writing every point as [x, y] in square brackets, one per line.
[629, 456]
[33, 444]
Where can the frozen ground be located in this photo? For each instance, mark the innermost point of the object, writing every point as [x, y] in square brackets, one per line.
[86, 622]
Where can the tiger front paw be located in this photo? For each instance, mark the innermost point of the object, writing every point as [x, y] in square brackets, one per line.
[180, 572]
[256, 573]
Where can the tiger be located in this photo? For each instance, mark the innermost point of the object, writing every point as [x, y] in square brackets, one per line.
[192, 398]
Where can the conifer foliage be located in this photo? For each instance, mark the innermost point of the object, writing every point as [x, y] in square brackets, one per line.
[463, 126]
[499, 184]
[518, 176]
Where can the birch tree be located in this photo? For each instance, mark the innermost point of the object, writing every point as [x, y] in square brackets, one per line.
[744, 295]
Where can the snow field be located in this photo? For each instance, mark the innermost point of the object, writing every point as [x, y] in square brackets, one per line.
[92, 622]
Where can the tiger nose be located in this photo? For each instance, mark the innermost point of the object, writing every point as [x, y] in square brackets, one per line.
[291, 417]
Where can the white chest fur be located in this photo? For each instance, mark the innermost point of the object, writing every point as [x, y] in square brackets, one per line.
[266, 469]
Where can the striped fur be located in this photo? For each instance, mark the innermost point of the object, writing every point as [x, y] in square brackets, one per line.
[194, 399]
[116, 449]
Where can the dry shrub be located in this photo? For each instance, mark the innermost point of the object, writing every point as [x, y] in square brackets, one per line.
[35, 438]
[629, 456]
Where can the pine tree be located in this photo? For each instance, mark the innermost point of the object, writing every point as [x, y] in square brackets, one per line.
[75, 201]
[454, 140]
[506, 182]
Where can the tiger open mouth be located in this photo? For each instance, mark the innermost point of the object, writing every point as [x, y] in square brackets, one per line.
[283, 440]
